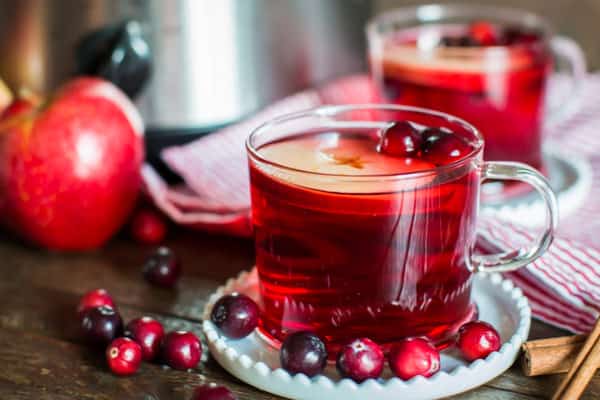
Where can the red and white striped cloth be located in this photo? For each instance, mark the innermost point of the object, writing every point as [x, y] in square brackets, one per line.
[563, 286]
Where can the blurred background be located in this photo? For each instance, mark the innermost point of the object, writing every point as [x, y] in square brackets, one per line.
[577, 19]
[193, 66]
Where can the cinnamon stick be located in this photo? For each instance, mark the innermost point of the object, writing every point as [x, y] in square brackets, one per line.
[550, 356]
[583, 368]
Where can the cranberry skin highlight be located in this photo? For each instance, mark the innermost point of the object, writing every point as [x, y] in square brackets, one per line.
[303, 352]
[101, 325]
[148, 333]
[162, 268]
[444, 149]
[414, 356]
[477, 339]
[400, 140]
[95, 298]
[181, 350]
[236, 315]
[124, 356]
[360, 360]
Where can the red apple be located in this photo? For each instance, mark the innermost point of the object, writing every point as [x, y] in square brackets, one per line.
[70, 166]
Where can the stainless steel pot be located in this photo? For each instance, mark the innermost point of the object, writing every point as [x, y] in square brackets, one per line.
[213, 62]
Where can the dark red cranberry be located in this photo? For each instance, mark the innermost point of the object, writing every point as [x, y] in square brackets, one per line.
[430, 134]
[236, 315]
[444, 148]
[95, 298]
[400, 140]
[181, 350]
[483, 33]
[391, 89]
[148, 227]
[124, 356]
[414, 356]
[101, 325]
[457, 41]
[515, 35]
[149, 334]
[303, 352]
[477, 339]
[212, 392]
[162, 268]
[360, 360]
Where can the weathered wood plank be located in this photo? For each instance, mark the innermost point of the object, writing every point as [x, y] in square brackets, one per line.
[48, 365]
[207, 261]
[41, 290]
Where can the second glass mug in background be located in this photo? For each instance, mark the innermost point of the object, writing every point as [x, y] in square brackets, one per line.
[384, 255]
[500, 89]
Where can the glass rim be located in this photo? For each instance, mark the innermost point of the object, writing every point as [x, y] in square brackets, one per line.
[436, 12]
[331, 110]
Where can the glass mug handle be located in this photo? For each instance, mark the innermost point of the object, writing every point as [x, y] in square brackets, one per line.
[571, 61]
[514, 259]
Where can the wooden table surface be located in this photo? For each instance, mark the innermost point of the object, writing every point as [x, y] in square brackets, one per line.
[42, 357]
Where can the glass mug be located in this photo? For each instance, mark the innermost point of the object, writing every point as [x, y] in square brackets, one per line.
[425, 56]
[353, 244]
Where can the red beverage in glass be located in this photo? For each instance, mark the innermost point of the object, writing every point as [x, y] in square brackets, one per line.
[353, 242]
[486, 65]
[499, 89]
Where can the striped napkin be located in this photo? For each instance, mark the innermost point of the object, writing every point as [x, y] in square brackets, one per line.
[563, 286]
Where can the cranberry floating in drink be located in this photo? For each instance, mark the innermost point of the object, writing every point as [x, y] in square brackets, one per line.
[356, 240]
[486, 65]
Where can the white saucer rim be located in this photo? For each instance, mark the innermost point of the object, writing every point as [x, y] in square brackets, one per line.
[217, 343]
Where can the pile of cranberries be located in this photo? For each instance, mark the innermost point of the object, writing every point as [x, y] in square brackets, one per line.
[144, 338]
[236, 315]
[483, 33]
[436, 145]
[141, 339]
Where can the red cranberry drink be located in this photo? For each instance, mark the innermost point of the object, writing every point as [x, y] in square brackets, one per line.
[364, 219]
[491, 71]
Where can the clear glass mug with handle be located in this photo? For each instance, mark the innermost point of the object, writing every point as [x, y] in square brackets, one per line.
[489, 65]
[352, 243]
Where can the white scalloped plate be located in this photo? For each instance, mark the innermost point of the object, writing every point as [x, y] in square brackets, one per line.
[570, 177]
[256, 363]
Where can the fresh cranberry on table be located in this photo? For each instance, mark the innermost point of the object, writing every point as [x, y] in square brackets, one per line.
[95, 298]
[360, 360]
[303, 352]
[442, 148]
[400, 140]
[162, 268]
[100, 325]
[148, 227]
[181, 350]
[414, 356]
[483, 33]
[212, 392]
[148, 333]
[477, 339]
[124, 356]
[236, 315]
